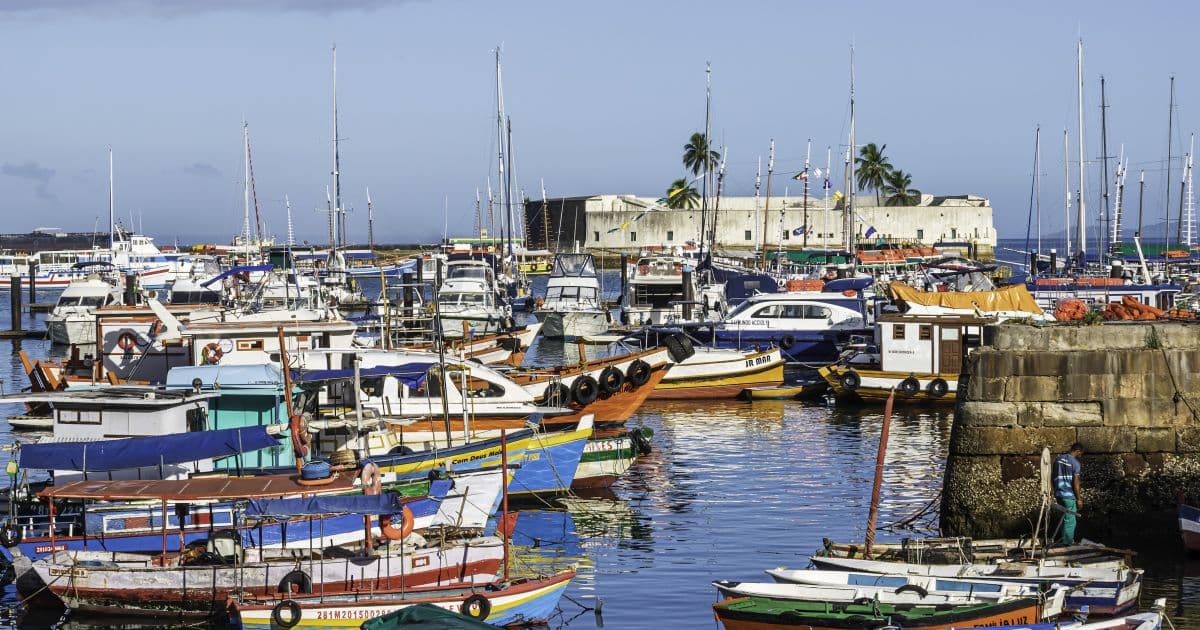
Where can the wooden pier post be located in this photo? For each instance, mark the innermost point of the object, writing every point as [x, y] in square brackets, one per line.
[688, 296]
[32, 283]
[15, 301]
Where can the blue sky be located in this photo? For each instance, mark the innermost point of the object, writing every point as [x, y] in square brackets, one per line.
[602, 98]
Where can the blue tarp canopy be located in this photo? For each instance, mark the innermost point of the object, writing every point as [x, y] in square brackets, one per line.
[411, 374]
[358, 254]
[235, 271]
[385, 503]
[138, 452]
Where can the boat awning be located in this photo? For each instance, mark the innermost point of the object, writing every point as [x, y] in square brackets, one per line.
[1011, 298]
[236, 270]
[384, 503]
[411, 374]
[138, 452]
[195, 489]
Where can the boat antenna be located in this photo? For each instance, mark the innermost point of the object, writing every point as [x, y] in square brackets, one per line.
[337, 174]
[111, 205]
[848, 217]
[371, 222]
[767, 205]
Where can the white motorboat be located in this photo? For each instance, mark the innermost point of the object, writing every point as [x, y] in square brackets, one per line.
[572, 307]
[469, 300]
[73, 320]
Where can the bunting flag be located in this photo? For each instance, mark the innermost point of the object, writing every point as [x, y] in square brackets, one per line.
[803, 175]
[870, 231]
[799, 231]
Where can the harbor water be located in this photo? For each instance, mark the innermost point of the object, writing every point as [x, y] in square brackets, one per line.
[730, 489]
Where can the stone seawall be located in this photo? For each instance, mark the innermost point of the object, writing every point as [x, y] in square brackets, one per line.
[1129, 392]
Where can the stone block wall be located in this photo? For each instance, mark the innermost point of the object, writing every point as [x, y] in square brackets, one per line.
[1129, 392]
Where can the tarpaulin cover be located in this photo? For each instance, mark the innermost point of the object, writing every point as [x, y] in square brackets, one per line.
[426, 617]
[236, 270]
[1012, 298]
[385, 503]
[411, 374]
[137, 452]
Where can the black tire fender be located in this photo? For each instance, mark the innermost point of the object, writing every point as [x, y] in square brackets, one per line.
[638, 373]
[611, 380]
[557, 395]
[585, 390]
[296, 578]
[850, 380]
[912, 588]
[476, 607]
[786, 342]
[294, 614]
[909, 386]
[938, 387]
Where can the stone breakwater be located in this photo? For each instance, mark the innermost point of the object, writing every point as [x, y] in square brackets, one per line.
[1129, 392]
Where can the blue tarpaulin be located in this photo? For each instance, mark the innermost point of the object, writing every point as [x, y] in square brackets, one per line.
[385, 503]
[137, 452]
[411, 374]
[236, 270]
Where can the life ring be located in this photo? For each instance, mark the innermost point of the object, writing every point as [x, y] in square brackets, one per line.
[557, 395]
[371, 478]
[638, 373]
[390, 532]
[850, 380]
[127, 341]
[298, 579]
[786, 342]
[909, 386]
[476, 607]
[298, 426]
[849, 293]
[938, 387]
[212, 353]
[585, 390]
[611, 380]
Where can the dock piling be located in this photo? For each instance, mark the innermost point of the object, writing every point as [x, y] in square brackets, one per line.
[15, 303]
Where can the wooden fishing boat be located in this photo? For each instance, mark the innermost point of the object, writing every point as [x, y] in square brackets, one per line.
[720, 373]
[959, 550]
[762, 613]
[1189, 526]
[1052, 602]
[135, 584]
[525, 601]
[1104, 590]
[606, 458]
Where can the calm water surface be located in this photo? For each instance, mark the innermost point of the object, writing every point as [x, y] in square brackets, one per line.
[732, 488]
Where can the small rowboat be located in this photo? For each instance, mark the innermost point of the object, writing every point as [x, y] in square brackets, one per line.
[763, 613]
[785, 392]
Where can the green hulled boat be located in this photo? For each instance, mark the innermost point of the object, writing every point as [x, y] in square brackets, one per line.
[760, 613]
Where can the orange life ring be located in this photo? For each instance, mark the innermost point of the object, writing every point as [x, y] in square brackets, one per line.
[371, 478]
[127, 341]
[298, 427]
[212, 353]
[390, 532]
[849, 293]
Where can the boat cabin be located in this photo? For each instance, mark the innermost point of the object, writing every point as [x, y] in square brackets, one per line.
[927, 344]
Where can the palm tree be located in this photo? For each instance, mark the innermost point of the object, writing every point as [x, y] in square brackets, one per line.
[897, 187]
[681, 195]
[697, 156]
[873, 168]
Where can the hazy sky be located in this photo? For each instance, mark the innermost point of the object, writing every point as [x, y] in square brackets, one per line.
[602, 98]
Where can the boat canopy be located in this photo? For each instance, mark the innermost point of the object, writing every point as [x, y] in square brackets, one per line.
[137, 452]
[195, 489]
[236, 270]
[384, 503]
[411, 374]
[250, 376]
[1012, 298]
[573, 265]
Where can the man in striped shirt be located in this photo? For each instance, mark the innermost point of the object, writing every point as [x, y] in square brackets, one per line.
[1067, 491]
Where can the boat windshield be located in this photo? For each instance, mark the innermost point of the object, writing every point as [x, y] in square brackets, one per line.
[477, 273]
[573, 265]
[571, 293]
[463, 298]
[81, 300]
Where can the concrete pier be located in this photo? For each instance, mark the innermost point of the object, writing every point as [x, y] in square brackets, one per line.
[1129, 392]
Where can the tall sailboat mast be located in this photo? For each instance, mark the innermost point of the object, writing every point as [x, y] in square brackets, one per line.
[371, 219]
[291, 238]
[848, 215]
[1106, 221]
[111, 211]
[503, 191]
[1067, 187]
[246, 185]
[337, 174]
[1167, 204]
[1081, 218]
[1118, 204]
[806, 227]
[1189, 218]
[705, 160]
[767, 208]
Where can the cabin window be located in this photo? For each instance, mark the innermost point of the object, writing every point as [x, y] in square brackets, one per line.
[74, 416]
[431, 388]
[197, 420]
[670, 235]
[817, 312]
[479, 388]
[250, 344]
[925, 333]
[373, 386]
[767, 311]
[897, 331]
[748, 235]
[792, 311]
[633, 237]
